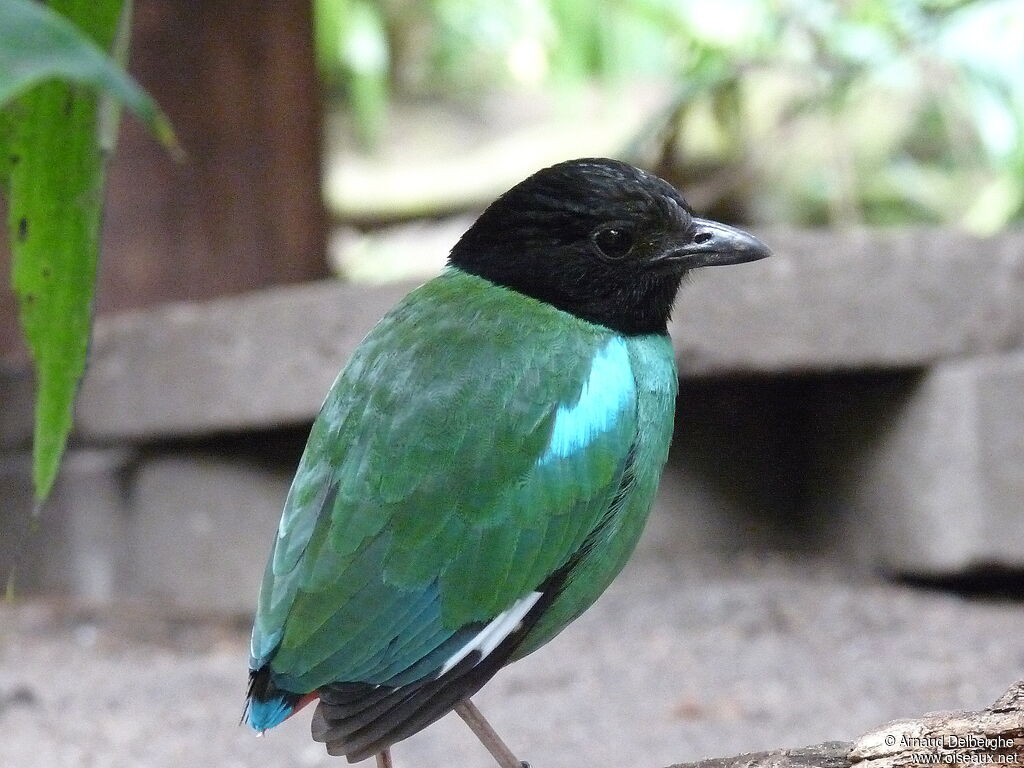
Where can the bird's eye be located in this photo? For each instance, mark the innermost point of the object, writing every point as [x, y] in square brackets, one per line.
[613, 242]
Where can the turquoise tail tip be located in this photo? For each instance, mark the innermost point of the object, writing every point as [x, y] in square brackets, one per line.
[263, 715]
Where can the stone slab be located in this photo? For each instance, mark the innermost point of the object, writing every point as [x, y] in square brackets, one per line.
[830, 301]
[927, 477]
[77, 545]
[201, 529]
[260, 360]
[16, 408]
[734, 478]
[824, 302]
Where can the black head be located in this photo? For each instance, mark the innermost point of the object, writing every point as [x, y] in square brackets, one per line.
[601, 239]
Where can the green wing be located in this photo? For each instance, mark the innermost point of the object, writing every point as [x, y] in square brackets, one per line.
[463, 456]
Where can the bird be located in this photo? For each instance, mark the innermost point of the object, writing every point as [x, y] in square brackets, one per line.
[483, 466]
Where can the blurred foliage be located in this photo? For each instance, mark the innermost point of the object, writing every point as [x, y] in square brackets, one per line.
[804, 111]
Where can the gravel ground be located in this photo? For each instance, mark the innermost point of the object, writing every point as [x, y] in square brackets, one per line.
[676, 662]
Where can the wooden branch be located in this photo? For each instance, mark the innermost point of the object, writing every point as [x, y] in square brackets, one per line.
[990, 737]
[831, 754]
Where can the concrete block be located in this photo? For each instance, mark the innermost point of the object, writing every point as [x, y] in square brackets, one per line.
[840, 301]
[16, 407]
[734, 478]
[202, 528]
[825, 302]
[263, 359]
[78, 543]
[927, 477]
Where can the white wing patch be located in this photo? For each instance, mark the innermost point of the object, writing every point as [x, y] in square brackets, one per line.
[497, 629]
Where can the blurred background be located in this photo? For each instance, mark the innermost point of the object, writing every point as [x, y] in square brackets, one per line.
[837, 541]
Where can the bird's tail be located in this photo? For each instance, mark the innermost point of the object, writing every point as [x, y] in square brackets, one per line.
[266, 705]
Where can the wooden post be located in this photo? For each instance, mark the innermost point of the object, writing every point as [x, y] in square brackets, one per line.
[238, 80]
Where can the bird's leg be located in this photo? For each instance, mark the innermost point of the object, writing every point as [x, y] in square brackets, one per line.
[384, 759]
[488, 736]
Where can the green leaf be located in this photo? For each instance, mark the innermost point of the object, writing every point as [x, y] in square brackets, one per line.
[52, 162]
[38, 44]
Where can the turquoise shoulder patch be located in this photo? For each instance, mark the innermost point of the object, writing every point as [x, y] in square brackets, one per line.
[609, 388]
